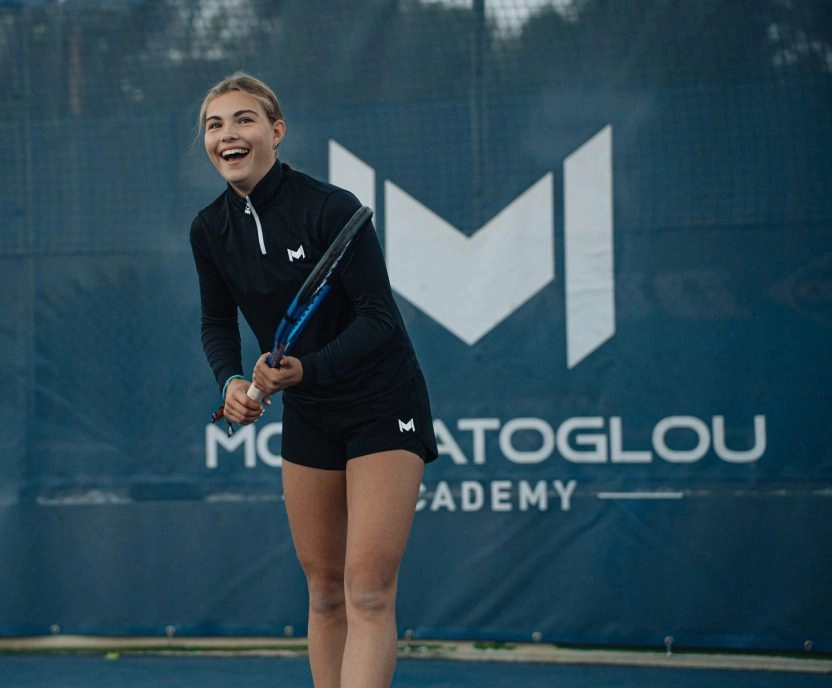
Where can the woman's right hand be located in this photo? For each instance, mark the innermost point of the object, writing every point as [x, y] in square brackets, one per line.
[239, 408]
[273, 380]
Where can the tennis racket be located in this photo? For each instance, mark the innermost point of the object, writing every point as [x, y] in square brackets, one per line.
[309, 296]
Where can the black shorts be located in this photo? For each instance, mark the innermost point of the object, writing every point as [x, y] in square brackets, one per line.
[322, 437]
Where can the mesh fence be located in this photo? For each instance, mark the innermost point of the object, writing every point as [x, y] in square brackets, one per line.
[102, 96]
[722, 119]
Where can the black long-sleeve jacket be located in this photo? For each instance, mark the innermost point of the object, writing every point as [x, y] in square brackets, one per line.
[254, 253]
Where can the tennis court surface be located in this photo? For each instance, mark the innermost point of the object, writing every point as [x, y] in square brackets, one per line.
[255, 670]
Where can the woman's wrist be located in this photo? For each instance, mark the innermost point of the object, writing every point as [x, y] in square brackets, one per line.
[228, 382]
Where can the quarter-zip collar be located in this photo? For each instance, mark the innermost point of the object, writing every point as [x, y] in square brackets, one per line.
[262, 196]
[251, 211]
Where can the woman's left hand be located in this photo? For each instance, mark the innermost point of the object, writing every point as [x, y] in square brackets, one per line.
[271, 380]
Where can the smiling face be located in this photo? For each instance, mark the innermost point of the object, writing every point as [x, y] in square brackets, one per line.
[240, 139]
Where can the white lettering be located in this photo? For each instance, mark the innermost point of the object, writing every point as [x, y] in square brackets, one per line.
[565, 493]
[497, 496]
[501, 495]
[472, 495]
[664, 426]
[446, 443]
[617, 453]
[442, 498]
[263, 452]
[421, 502]
[537, 496]
[214, 435]
[736, 456]
[588, 440]
[478, 426]
[535, 424]
[597, 442]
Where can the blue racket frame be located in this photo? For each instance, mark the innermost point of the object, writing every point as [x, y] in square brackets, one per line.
[309, 296]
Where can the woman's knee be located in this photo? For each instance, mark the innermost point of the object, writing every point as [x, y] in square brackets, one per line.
[326, 592]
[371, 593]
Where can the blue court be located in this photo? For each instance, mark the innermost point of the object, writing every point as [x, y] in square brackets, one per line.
[143, 671]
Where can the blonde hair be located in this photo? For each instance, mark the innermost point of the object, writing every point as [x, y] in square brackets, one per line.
[240, 81]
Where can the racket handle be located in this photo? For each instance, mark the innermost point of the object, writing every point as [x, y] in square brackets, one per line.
[256, 394]
[274, 362]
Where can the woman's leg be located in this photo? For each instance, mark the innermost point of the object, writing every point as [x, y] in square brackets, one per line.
[316, 504]
[382, 490]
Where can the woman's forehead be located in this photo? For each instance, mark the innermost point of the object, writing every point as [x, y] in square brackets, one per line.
[231, 102]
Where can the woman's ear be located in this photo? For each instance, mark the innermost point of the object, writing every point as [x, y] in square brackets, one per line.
[278, 131]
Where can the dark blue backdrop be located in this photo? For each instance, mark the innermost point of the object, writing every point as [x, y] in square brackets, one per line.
[675, 482]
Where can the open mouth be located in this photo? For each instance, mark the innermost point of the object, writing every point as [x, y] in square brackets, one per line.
[233, 154]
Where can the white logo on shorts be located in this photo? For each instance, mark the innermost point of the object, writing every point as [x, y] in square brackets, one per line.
[409, 426]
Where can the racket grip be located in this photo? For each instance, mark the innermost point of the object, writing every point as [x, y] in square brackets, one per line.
[254, 393]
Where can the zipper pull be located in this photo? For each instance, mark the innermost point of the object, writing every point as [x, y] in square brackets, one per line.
[251, 211]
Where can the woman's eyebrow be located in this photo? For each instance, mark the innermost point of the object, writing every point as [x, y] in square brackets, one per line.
[236, 114]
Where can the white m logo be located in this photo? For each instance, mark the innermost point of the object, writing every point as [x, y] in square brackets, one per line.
[409, 426]
[296, 255]
[511, 258]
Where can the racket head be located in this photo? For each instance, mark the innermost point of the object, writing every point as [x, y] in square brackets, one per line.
[332, 256]
[315, 286]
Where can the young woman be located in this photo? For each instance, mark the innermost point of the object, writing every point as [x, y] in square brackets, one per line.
[357, 427]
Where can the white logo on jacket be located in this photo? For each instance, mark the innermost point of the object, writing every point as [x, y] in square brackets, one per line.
[296, 255]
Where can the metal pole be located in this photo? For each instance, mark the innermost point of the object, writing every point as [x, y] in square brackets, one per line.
[477, 108]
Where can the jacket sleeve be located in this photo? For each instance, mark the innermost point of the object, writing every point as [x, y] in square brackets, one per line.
[363, 274]
[219, 325]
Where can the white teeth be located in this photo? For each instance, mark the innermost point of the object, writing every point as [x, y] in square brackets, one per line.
[234, 151]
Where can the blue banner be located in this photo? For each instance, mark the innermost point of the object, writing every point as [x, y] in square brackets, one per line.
[617, 273]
